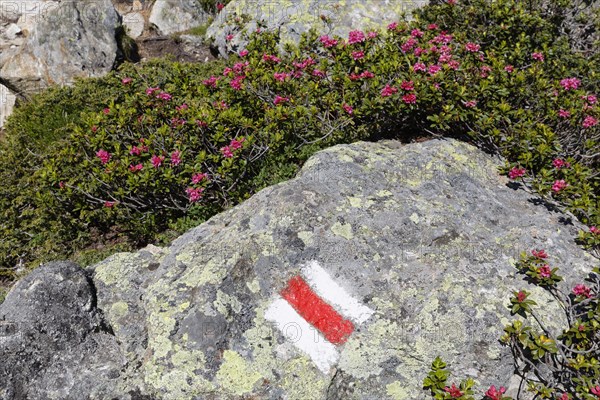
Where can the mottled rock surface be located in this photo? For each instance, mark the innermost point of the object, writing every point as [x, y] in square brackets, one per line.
[294, 17]
[171, 16]
[67, 39]
[425, 235]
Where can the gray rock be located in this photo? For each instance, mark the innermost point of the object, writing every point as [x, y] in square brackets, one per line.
[7, 103]
[294, 17]
[424, 235]
[69, 39]
[171, 16]
[135, 23]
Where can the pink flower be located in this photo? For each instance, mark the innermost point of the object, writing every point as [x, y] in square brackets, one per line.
[409, 98]
[243, 53]
[541, 254]
[472, 47]
[356, 37]
[392, 26]
[318, 73]
[372, 35]
[485, 70]
[135, 151]
[176, 158]
[595, 390]
[197, 178]
[594, 230]
[537, 56]
[545, 271]
[164, 96]
[357, 55]
[236, 83]
[444, 58]
[495, 394]
[94, 128]
[271, 58]
[451, 2]
[327, 41]
[582, 290]
[229, 37]
[591, 99]
[157, 160]
[103, 155]
[194, 194]
[419, 67]
[564, 395]
[135, 168]
[126, 81]
[279, 99]
[408, 45]
[417, 33]
[432, 27]
[470, 103]
[388, 91]
[226, 151]
[516, 173]
[210, 82]
[559, 163]
[106, 110]
[109, 204]
[367, 74]
[418, 51]
[348, 108]
[280, 76]
[509, 68]
[182, 107]
[434, 69]
[407, 85]
[521, 296]
[564, 113]
[559, 185]
[151, 90]
[453, 64]
[570, 83]
[236, 144]
[453, 391]
[220, 6]
[589, 121]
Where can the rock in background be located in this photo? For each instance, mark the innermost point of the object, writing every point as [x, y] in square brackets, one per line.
[171, 16]
[7, 102]
[67, 39]
[425, 235]
[294, 17]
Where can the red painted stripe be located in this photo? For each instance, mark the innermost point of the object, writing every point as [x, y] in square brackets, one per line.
[317, 312]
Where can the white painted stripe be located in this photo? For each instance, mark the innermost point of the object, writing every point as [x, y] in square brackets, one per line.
[320, 281]
[305, 337]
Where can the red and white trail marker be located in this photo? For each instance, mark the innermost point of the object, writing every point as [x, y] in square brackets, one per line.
[317, 315]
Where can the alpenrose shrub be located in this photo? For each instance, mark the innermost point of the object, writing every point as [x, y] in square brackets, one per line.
[561, 367]
[163, 152]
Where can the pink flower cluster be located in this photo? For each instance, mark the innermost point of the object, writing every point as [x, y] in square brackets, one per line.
[175, 158]
[470, 103]
[281, 76]
[559, 163]
[103, 155]
[582, 290]
[564, 113]
[409, 98]
[472, 47]
[210, 82]
[194, 194]
[537, 56]
[393, 26]
[419, 67]
[157, 160]
[135, 168]
[197, 178]
[235, 144]
[495, 394]
[453, 391]
[570, 83]
[545, 271]
[589, 121]
[356, 37]
[516, 172]
[280, 99]
[595, 230]
[327, 41]
[348, 108]
[363, 75]
[559, 185]
[357, 55]
[388, 91]
[541, 254]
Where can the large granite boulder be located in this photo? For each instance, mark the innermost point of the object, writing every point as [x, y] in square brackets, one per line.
[294, 17]
[343, 283]
[63, 40]
[171, 16]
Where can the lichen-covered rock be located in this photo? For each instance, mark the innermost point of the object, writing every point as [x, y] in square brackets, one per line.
[171, 16]
[412, 246]
[67, 40]
[294, 17]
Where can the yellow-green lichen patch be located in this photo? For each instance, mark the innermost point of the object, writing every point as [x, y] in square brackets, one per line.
[212, 271]
[117, 311]
[364, 351]
[236, 376]
[253, 286]
[115, 270]
[225, 302]
[397, 391]
[306, 237]
[355, 201]
[343, 230]
[302, 381]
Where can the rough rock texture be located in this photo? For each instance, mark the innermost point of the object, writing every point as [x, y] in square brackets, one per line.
[7, 103]
[425, 235]
[67, 39]
[294, 17]
[171, 16]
